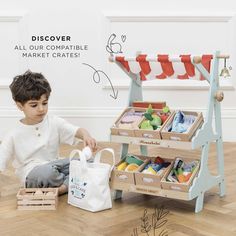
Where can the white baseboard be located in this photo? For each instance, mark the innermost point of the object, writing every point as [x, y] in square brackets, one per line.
[98, 120]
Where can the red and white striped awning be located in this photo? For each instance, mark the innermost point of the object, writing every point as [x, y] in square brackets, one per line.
[163, 66]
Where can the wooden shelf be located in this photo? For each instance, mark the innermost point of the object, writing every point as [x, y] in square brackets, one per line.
[152, 191]
[152, 142]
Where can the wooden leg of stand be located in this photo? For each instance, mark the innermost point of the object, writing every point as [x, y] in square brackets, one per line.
[117, 194]
[199, 203]
[222, 188]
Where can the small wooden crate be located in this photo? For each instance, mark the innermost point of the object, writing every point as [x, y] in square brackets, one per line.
[154, 134]
[125, 177]
[37, 199]
[183, 187]
[144, 179]
[115, 130]
[182, 136]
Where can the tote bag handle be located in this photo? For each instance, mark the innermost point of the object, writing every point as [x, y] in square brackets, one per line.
[97, 158]
[82, 157]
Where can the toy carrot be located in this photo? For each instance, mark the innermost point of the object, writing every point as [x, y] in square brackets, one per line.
[187, 176]
[180, 176]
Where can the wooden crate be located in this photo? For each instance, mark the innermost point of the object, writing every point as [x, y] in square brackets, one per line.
[115, 130]
[37, 199]
[182, 136]
[125, 177]
[153, 134]
[183, 187]
[144, 179]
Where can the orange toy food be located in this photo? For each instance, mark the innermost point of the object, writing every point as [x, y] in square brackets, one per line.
[132, 167]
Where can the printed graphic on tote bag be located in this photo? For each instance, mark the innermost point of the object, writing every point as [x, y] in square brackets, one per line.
[78, 188]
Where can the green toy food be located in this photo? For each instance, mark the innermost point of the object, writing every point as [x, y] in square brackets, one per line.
[165, 109]
[149, 109]
[153, 121]
[146, 125]
[165, 113]
[156, 121]
[133, 159]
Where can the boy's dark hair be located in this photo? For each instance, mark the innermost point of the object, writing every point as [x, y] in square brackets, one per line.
[29, 86]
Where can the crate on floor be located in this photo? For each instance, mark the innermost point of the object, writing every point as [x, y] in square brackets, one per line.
[37, 199]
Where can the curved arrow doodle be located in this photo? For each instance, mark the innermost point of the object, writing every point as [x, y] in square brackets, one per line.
[96, 73]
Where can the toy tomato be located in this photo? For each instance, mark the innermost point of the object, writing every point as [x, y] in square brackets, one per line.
[163, 117]
[159, 160]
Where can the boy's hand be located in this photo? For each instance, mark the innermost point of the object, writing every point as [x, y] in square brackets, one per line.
[91, 142]
[86, 137]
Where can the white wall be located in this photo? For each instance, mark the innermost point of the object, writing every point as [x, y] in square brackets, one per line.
[170, 26]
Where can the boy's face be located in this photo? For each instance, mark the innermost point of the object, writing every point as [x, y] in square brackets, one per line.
[34, 110]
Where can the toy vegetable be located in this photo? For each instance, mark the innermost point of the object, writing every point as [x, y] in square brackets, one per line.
[180, 176]
[165, 114]
[132, 167]
[153, 121]
[122, 166]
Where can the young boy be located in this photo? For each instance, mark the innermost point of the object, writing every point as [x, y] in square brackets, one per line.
[33, 145]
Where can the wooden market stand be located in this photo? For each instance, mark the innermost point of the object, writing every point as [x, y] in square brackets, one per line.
[198, 145]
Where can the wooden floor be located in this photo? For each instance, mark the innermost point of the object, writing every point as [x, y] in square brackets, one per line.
[128, 216]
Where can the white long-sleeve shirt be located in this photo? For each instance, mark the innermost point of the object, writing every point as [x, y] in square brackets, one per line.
[32, 145]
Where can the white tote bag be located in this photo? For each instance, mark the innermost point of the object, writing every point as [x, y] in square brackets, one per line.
[89, 182]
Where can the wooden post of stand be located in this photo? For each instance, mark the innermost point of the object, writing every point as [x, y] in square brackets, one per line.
[205, 136]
